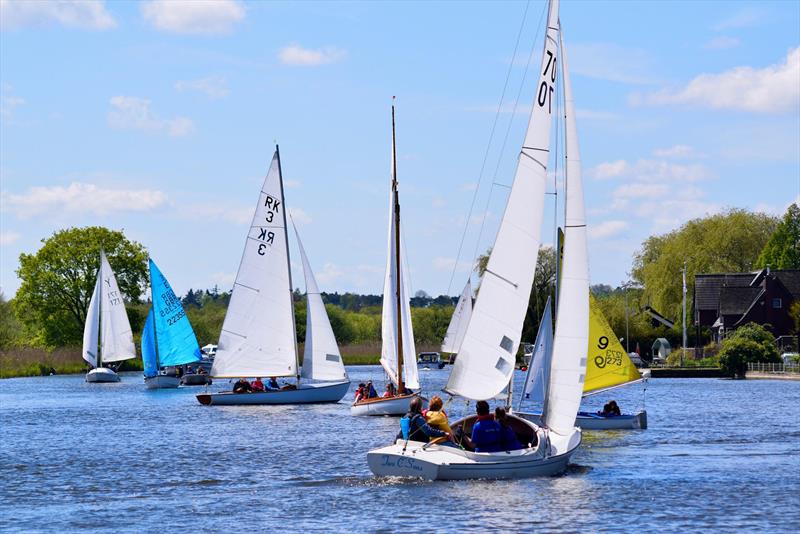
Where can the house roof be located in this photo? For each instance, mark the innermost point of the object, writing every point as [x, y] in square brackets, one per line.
[737, 300]
[790, 280]
[707, 288]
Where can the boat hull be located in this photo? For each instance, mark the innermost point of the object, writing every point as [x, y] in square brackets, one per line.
[383, 406]
[305, 394]
[195, 380]
[548, 455]
[590, 421]
[161, 382]
[100, 375]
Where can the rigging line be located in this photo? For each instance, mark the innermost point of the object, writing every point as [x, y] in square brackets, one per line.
[489, 144]
[508, 129]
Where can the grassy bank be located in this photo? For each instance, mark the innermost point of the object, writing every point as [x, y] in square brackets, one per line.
[28, 361]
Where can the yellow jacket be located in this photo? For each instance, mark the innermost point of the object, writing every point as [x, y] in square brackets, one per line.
[438, 420]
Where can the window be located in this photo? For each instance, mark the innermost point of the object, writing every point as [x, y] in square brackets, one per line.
[777, 304]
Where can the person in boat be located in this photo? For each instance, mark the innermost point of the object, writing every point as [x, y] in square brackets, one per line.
[414, 428]
[486, 432]
[360, 392]
[435, 416]
[371, 393]
[610, 409]
[614, 408]
[257, 385]
[508, 438]
[391, 391]
[242, 386]
[272, 383]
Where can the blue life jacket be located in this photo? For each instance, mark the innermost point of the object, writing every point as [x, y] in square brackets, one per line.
[487, 436]
[405, 427]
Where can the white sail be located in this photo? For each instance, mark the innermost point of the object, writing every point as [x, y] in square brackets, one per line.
[321, 357]
[91, 329]
[459, 321]
[568, 368]
[116, 337]
[258, 335]
[486, 360]
[538, 375]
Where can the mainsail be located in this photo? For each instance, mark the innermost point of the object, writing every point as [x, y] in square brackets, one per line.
[396, 316]
[91, 329]
[116, 337]
[258, 335]
[568, 367]
[535, 389]
[459, 321]
[321, 357]
[486, 360]
[170, 332]
[608, 365]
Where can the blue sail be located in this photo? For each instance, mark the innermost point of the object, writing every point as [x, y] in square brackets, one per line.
[176, 342]
[149, 347]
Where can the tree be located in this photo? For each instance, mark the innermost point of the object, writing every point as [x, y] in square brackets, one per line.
[727, 242]
[58, 281]
[782, 251]
[750, 343]
[9, 326]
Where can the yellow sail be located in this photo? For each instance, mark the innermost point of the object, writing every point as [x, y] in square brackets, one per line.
[607, 364]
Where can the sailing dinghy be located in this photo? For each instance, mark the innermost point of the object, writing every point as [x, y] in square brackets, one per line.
[485, 364]
[398, 354]
[168, 339]
[258, 336]
[107, 335]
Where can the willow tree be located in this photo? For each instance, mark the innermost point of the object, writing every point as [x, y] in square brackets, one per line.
[782, 251]
[58, 280]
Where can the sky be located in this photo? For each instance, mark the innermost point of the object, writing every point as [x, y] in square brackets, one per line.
[160, 118]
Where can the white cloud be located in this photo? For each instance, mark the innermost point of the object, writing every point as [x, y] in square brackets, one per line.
[472, 186]
[81, 197]
[8, 238]
[677, 151]
[292, 184]
[214, 87]
[193, 16]
[85, 14]
[330, 273]
[299, 216]
[612, 62]
[297, 55]
[722, 43]
[446, 264]
[743, 18]
[610, 169]
[652, 170]
[640, 190]
[134, 113]
[8, 102]
[606, 229]
[772, 89]
[223, 280]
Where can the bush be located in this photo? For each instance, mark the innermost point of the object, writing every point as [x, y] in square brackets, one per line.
[749, 344]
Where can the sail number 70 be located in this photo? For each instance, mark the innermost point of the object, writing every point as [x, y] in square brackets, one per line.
[545, 95]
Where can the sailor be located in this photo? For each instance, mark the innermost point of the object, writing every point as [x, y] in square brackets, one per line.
[508, 438]
[257, 385]
[414, 428]
[486, 432]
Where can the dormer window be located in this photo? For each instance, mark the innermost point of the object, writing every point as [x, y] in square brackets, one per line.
[777, 304]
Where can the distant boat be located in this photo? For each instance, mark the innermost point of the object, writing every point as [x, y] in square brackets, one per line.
[459, 321]
[398, 354]
[258, 336]
[168, 339]
[486, 358]
[107, 335]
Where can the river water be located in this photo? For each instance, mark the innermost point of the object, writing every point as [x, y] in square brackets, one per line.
[719, 454]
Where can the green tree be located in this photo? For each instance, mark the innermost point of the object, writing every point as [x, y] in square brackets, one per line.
[750, 343]
[782, 251]
[727, 242]
[58, 280]
[9, 326]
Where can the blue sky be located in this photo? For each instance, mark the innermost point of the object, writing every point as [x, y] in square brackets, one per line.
[160, 118]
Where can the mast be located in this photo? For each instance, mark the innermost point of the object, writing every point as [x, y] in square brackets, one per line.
[100, 347]
[288, 267]
[155, 328]
[400, 387]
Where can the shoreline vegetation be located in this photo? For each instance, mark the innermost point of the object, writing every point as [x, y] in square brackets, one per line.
[30, 361]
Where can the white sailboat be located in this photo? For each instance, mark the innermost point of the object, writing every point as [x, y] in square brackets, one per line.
[398, 354]
[459, 321]
[258, 336]
[107, 335]
[486, 359]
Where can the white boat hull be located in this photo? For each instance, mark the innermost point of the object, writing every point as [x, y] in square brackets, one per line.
[162, 382]
[437, 462]
[383, 406]
[589, 421]
[305, 394]
[101, 375]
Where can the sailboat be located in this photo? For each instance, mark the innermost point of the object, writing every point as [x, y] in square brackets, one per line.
[485, 363]
[398, 354]
[458, 322]
[107, 335]
[258, 337]
[168, 339]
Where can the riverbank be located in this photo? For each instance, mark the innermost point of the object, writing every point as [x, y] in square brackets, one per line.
[29, 361]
